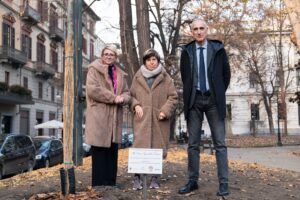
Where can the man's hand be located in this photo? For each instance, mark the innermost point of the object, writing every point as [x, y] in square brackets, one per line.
[138, 111]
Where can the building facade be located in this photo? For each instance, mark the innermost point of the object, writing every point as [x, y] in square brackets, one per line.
[32, 60]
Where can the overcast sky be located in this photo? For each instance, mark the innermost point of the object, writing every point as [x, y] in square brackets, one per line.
[108, 11]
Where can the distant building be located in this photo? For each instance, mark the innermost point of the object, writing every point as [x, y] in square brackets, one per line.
[32, 59]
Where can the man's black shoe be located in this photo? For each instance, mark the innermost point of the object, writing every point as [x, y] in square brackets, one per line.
[222, 194]
[189, 187]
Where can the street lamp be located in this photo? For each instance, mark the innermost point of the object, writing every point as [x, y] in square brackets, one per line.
[279, 143]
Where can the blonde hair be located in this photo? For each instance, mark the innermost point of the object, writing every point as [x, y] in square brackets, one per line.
[111, 47]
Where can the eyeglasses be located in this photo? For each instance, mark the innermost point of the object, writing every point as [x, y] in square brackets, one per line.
[109, 54]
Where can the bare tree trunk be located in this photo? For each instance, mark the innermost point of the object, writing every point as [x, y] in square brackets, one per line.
[68, 100]
[143, 27]
[268, 107]
[69, 90]
[293, 7]
[129, 56]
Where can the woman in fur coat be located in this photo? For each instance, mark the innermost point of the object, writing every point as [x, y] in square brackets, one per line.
[154, 99]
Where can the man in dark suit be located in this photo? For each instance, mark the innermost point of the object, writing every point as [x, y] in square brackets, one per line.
[205, 74]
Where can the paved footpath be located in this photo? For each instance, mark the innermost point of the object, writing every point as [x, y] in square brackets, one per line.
[285, 157]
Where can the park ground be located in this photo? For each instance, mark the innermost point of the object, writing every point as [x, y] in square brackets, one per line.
[247, 180]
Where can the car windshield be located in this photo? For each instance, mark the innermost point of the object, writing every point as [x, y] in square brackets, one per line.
[41, 145]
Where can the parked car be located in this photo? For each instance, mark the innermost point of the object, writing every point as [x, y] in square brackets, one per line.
[124, 141]
[17, 153]
[130, 139]
[49, 151]
[127, 139]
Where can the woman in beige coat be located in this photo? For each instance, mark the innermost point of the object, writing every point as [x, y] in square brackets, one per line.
[106, 93]
[154, 100]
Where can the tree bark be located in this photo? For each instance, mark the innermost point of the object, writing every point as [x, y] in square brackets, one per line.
[129, 56]
[143, 27]
[69, 91]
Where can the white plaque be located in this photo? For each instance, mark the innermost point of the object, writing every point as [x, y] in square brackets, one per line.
[145, 161]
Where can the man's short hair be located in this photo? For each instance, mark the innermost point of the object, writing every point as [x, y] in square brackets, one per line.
[198, 19]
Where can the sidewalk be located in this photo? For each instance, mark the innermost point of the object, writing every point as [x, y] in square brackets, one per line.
[285, 157]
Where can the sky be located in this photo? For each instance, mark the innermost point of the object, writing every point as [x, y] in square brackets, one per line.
[107, 29]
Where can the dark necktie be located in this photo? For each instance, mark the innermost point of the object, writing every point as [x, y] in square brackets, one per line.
[201, 71]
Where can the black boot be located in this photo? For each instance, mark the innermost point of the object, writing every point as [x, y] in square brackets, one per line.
[189, 187]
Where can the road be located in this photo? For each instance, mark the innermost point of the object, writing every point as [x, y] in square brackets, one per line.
[285, 157]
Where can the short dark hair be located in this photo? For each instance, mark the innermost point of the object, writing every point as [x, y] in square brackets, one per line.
[150, 53]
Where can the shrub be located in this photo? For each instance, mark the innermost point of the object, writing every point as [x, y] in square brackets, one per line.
[3, 87]
[19, 90]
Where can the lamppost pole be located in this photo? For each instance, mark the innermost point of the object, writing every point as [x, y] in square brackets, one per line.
[279, 143]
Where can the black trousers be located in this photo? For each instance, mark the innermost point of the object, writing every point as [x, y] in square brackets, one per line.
[104, 165]
[206, 105]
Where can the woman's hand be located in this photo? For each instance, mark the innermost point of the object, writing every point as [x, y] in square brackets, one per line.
[162, 116]
[138, 111]
[119, 99]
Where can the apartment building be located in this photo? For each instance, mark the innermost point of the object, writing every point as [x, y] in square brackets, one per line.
[32, 62]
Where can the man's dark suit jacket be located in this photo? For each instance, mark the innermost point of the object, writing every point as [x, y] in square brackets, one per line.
[218, 74]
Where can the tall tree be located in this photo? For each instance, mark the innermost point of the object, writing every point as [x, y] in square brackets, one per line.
[129, 53]
[166, 21]
[143, 27]
[293, 9]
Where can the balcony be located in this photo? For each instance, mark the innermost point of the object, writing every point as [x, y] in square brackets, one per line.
[13, 98]
[43, 70]
[12, 56]
[29, 14]
[56, 33]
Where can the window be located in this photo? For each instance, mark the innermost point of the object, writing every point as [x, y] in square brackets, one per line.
[228, 111]
[7, 77]
[25, 82]
[9, 146]
[92, 26]
[41, 52]
[53, 16]
[40, 90]
[84, 45]
[92, 50]
[253, 80]
[39, 120]
[8, 35]
[254, 111]
[43, 10]
[51, 117]
[280, 111]
[52, 93]
[26, 45]
[24, 122]
[54, 60]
